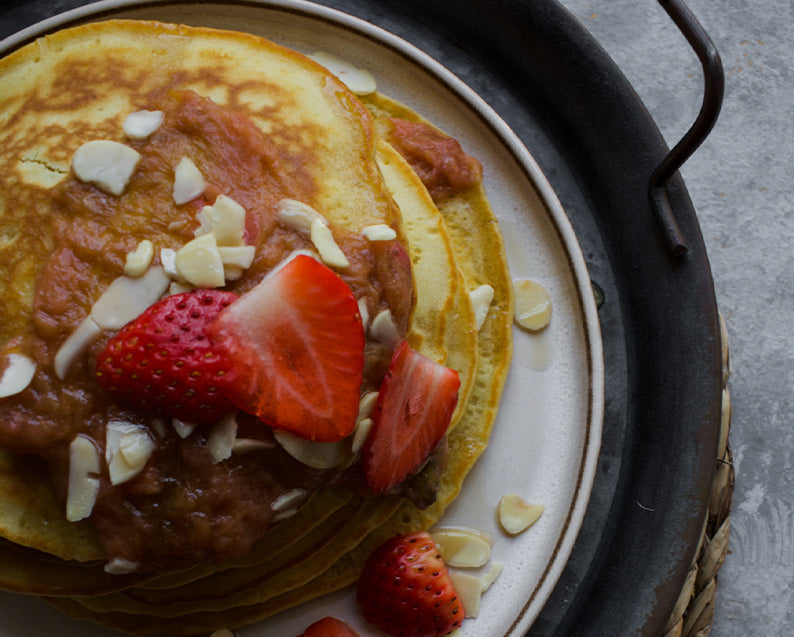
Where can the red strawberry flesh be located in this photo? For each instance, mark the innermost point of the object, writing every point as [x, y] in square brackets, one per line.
[296, 345]
[163, 362]
[405, 589]
[415, 405]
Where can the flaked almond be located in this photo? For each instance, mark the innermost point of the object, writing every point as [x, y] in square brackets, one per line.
[297, 215]
[83, 478]
[359, 81]
[107, 164]
[367, 404]
[363, 311]
[126, 298]
[481, 299]
[247, 445]
[227, 221]
[168, 261]
[189, 183]
[120, 566]
[141, 124]
[469, 589]
[220, 441]
[379, 232]
[177, 287]
[491, 575]
[18, 373]
[361, 433]
[330, 252]
[183, 429]
[318, 455]
[237, 256]
[223, 632]
[75, 345]
[516, 515]
[199, 263]
[532, 304]
[383, 329]
[462, 548]
[139, 260]
[289, 499]
[128, 448]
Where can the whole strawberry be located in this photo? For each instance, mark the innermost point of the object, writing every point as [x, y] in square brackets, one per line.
[164, 363]
[329, 627]
[405, 589]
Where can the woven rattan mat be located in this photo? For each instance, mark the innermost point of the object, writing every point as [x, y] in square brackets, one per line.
[694, 611]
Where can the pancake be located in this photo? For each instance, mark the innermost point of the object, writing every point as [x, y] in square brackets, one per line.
[337, 155]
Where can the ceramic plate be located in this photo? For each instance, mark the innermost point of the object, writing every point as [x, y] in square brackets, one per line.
[546, 439]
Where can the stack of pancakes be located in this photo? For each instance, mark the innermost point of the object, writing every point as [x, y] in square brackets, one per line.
[79, 84]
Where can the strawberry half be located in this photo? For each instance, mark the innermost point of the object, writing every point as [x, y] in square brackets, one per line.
[405, 589]
[296, 344]
[329, 627]
[163, 361]
[414, 409]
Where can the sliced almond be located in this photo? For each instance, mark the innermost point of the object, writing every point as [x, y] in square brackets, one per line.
[126, 298]
[367, 404]
[379, 232]
[481, 299]
[107, 164]
[297, 215]
[121, 566]
[363, 311]
[361, 433]
[199, 263]
[183, 429]
[383, 329]
[220, 441]
[83, 478]
[237, 256]
[204, 217]
[247, 445]
[532, 304]
[318, 455]
[462, 548]
[491, 575]
[76, 344]
[189, 183]
[359, 81]
[139, 260]
[177, 287]
[141, 124]
[168, 261]
[227, 220]
[289, 499]
[18, 373]
[516, 515]
[469, 589]
[128, 448]
[330, 252]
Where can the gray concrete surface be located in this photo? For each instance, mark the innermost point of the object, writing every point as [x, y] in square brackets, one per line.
[740, 182]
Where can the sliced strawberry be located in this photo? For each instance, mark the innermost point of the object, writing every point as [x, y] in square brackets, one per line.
[296, 344]
[415, 405]
[405, 589]
[163, 362]
[329, 627]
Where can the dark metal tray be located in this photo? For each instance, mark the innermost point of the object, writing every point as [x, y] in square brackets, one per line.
[598, 146]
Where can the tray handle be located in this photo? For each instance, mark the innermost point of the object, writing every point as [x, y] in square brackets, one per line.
[712, 102]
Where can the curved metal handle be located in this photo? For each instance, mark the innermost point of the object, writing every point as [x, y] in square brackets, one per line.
[709, 111]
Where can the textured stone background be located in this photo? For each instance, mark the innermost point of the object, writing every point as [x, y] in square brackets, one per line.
[740, 182]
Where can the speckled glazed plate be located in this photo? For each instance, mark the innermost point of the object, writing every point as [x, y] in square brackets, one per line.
[546, 439]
